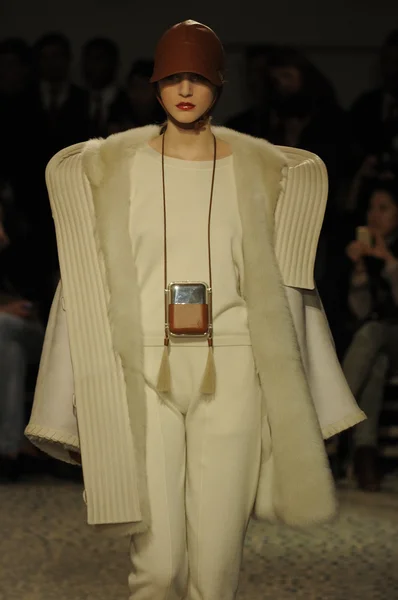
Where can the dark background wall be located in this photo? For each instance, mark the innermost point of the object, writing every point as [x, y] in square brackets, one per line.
[342, 36]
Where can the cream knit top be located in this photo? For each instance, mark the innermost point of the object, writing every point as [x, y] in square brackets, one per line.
[188, 186]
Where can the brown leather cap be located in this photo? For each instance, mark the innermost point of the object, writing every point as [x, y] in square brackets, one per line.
[189, 47]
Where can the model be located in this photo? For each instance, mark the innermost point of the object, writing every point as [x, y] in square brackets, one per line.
[187, 358]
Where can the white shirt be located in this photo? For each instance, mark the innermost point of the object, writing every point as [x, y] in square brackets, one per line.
[188, 185]
[106, 97]
[49, 98]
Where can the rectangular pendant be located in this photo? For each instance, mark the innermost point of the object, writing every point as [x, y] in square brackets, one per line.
[188, 309]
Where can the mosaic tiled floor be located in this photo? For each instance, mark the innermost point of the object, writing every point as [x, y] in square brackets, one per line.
[47, 553]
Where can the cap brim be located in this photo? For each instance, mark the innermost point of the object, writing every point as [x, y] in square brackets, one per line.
[185, 66]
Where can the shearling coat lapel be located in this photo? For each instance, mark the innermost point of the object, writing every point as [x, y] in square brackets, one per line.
[108, 166]
[288, 403]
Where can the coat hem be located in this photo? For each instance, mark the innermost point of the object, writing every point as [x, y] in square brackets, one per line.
[345, 423]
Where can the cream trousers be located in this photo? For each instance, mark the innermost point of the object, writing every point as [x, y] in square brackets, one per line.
[203, 459]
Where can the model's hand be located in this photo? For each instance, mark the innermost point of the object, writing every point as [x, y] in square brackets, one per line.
[18, 308]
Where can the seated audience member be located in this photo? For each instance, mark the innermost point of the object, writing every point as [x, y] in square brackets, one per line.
[372, 168]
[255, 120]
[21, 338]
[373, 299]
[100, 64]
[136, 105]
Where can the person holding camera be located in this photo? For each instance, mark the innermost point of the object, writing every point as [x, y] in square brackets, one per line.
[373, 299]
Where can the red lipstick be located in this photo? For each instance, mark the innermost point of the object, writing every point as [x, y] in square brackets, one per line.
[185, 106]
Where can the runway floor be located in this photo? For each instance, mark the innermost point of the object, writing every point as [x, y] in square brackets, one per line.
[48, 553]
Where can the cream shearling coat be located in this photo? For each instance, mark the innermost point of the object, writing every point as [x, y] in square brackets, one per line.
[90, 391]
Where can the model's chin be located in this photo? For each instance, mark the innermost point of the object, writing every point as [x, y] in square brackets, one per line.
[185, 116]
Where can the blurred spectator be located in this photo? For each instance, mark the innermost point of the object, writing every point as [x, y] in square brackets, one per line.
[14, 67]
[373, 300]
[305, 111]
[375, 114]
[100, 64]
[62, 120]
[305, 114]
[137, 105]
[22, 166]
[255, 120]
[356, 205]
[16, 97]
[21, 337]
[63, 106]
[17, 119]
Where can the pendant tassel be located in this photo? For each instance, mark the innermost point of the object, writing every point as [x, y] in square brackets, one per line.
[164, 377]
[208, 386]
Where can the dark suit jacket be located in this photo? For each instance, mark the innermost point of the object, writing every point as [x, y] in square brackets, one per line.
[367, 122]
[69, 125]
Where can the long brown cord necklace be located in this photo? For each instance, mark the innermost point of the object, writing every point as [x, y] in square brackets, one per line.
[164, 379]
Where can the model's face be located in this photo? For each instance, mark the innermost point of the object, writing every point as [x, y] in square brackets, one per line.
[186, 96]
[382, 213]
[287, 80]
